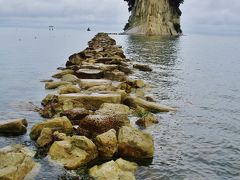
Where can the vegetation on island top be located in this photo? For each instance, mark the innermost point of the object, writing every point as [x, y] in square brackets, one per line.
[174, 3]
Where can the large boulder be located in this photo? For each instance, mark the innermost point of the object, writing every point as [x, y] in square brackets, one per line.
[55, 84]
[56, 124]
[89, 74]
[75, 59]
[93, 125]
[107, 143]
[92, 101]
[16, 163]
[113, 109]
[13, 127]
[120, 169]
[134, 143]
[73, 152]
[134, 101]
[62, 73]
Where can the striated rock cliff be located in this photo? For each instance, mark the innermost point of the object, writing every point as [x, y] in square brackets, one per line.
[154, 17]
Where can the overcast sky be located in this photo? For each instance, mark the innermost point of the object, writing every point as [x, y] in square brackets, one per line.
[198, 15]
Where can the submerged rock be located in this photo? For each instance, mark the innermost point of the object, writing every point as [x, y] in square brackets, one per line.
[142, 67]
[134, 143]
[13, 127]
[16, 162]
[56, 124]
[118, 170]
[73, 152]
[107, 143]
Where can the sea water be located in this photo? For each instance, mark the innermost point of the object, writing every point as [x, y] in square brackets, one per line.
[197, 74]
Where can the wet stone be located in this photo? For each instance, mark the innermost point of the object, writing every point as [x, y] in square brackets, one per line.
[89, 74]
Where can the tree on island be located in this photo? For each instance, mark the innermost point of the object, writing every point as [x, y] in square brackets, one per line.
[142, 20]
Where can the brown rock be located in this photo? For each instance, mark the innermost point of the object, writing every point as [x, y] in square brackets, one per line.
[73, 152]
[67, 89]
[113, 109]
[61, 124]
[118, 170]
[142, 67]
[62, 73]
[13, 127]
[115, 75]
[107, 143]
[94, 125]
[54, 85]
[70, 78]
[75, 115]
[16, 163]
[92, 101]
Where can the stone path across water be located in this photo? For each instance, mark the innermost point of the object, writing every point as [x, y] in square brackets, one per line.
[89, 109]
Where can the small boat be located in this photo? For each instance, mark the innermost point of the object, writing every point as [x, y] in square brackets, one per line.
[88, 29]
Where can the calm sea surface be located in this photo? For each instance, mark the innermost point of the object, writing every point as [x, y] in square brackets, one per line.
[200, 75]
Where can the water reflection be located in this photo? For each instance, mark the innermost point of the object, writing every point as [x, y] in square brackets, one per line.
[156, 50]
[161, 53]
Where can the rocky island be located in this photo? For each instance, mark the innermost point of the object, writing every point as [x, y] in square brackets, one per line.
[89, 117]
[154, 17]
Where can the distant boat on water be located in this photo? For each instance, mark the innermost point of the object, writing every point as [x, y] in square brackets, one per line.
[88, 29]
[51, 28]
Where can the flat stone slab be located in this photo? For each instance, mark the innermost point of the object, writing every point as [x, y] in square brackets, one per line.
[100, 66]
[92, 101]
[88, 83]
[89, 74]
[134, 101]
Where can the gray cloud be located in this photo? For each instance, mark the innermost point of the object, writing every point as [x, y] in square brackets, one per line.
[67, 13]
[211, 15]
[197, 15]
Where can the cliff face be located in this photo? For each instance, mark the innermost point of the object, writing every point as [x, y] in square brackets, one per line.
[154, 17]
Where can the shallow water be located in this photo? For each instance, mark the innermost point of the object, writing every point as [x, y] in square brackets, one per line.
[199, 75]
